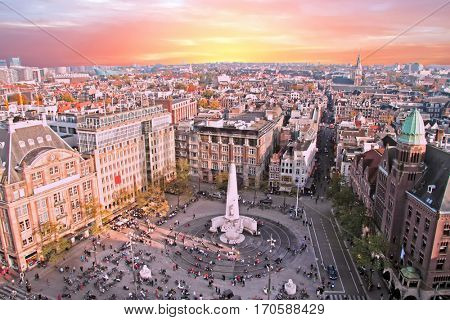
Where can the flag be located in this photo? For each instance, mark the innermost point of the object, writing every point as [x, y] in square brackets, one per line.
[402, 254]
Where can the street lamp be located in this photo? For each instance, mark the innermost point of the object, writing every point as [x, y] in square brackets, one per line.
[296, 203]
[269, 284]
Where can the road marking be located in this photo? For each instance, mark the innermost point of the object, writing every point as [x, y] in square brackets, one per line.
[332, 255]
[314, 249]
[317, 240]
[328, 291]
[343, 253]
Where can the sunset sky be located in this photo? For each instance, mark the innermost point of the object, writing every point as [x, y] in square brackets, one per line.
[119, 32]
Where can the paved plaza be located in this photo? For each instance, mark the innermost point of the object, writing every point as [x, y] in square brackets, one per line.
[177, 272]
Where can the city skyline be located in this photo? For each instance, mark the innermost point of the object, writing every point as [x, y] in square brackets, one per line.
[197, 31]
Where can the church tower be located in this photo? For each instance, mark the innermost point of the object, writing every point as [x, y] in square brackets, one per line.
[357, 73]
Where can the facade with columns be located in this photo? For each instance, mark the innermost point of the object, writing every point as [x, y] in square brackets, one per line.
[44, 187]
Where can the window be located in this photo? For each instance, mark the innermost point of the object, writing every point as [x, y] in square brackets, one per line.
[440, 263]
[446, 229]
[420, 257]
[43, 217]
[31, 142]
[406, 227]
[75, 204]
[63, 129]
[57, 198]
[88, 197]
[409, 211]
[215, 166]
[417, 217]
[252, 151]
[76, 217]
[73, 191]
[54, 170]
[415, 234]
[413, 248]
[22, 211]
[252, 171]
[443, 247]
[36, 176]
[252, 160]
[87, 185]
[424, 242]
[70, 165]
[427, 224]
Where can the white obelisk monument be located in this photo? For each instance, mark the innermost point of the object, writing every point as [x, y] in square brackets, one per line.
[232, 224]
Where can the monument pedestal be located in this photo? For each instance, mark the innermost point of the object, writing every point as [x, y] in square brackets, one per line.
[232, 224]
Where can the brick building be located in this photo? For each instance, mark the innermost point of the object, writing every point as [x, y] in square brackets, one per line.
[412, 210]
[181, 109]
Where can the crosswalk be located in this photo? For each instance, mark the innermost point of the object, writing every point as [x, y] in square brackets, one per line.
[6, 292]
[344, 297]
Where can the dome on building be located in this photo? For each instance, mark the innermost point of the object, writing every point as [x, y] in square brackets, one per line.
[413, 129]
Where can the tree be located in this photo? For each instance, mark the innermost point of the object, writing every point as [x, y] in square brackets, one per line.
[208, 94]
[52, 244]
[180, 86]
[153, 202]
[203, 103]
[94, 210]
[67, 96]
[20, 98]
[214, 104]
[222, 180]
[369, 251]
[180, 185]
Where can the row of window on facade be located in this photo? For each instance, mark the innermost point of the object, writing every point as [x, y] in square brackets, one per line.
[64, 129]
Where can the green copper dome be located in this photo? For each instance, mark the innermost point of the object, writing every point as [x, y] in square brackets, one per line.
[413, 129]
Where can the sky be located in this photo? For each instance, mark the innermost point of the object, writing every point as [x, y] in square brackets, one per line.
[123, 32]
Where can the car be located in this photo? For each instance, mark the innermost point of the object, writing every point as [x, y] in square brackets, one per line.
[332, 273]
[216, 195]
[266, 201]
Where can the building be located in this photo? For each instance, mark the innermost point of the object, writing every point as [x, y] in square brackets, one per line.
[248, 140]
[358, 72]
[180, 109]
[43, 182]
[297, 165]
[131, 148]
[14, 62]
[412, 209]
[65, 125]
[363, 176]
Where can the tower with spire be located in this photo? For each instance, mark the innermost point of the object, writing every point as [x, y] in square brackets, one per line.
[402, 166]
[357, 73]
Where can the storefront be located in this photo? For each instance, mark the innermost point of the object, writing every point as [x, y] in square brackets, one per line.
[31, 259]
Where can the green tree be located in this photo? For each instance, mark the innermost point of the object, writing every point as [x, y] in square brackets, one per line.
[208, 94]
[180, 185]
